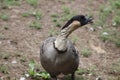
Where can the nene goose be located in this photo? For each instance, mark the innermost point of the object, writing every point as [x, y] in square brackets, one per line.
[58, 54]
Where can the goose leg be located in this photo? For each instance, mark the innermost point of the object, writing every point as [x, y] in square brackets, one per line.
[73, 76]
[53, 77]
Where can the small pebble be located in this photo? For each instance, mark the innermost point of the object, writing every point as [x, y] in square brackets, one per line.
[22, 78]
[92, 29]
[114, 24]
[27, 75]
[90, 74]
[34, 13]
[105, 33]
[98, 78]
[14, 62]
[99, 27]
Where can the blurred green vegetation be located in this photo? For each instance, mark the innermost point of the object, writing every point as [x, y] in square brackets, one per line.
[32, 2]
[109, 20]
[35, 24]
[4, 17]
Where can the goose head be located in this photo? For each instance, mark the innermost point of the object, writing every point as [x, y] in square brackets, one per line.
[78, 21]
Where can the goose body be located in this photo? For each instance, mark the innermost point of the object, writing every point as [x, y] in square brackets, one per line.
[56, 62]
[58, 54]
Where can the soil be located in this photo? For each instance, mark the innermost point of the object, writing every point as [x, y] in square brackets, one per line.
[21, 42]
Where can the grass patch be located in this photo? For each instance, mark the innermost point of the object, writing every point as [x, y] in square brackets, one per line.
[7, 3]
[35, 24]
[54, 15]
[112, 36]
[66, 10]
[52, 31]
[57, 24]
[54, 19]
[17, 54]
[116, 21]
[105, 35]
[4, 17]
[68, 14]
[5, 56]
[109, 19]
[4, 69]
[114, 69]
[60, 19]
[31, 68]
[117, 4]
[86, 52]
[117, 42]
[1, 37]
[103, 16]
[89, 70]
[23, 59]
[6, 27]
[37, 75]
[66, 17]
[37, 14]
[81, 71]
[25, 14]
[32, 2]
[113, 78]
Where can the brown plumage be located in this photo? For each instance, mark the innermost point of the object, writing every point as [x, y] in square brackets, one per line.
[58, 54]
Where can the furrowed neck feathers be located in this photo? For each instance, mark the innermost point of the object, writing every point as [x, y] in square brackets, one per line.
[61, 40]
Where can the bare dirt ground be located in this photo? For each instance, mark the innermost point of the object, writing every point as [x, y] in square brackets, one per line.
[20, 42]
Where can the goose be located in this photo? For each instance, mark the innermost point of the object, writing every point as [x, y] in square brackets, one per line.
[58, 54]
